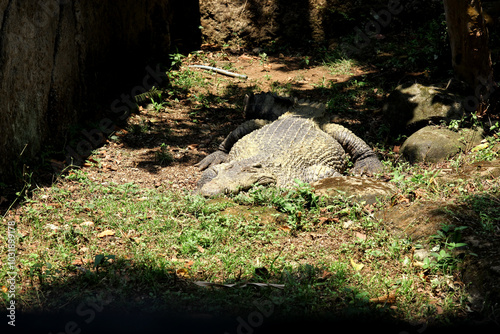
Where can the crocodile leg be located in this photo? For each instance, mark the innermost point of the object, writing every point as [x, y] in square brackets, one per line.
[364, 158]
[220, 155]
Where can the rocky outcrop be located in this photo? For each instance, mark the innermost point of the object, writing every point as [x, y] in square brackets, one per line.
[419, 111]
[56, 56]
[410, 107]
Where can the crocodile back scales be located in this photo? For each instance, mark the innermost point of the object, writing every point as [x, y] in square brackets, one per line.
[291, 147]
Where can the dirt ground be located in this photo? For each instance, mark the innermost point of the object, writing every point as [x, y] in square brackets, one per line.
[133, 158]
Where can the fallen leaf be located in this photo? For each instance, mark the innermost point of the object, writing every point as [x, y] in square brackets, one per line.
[323, 220]
[182, 272]
[325, 275]
[480, 147]
[247, 57]
[4, 289]
[192, 146]
[136, 239]
[284, 228]
[80, 262]
[77, 262]
[121, 132]
[360, 236]
[200, 249]
[87, 223]
[389, 298]
[356, 266]
[106, 233]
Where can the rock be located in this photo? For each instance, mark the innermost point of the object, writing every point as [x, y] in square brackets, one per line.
[421, 254]
[411, 107]
[435, 144]
[418, 220]
[362, 189]
[431, 144]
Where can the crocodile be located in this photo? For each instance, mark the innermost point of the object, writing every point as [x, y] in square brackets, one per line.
[284, 140]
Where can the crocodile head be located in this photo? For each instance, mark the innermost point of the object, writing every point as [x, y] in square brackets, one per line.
[233, 177]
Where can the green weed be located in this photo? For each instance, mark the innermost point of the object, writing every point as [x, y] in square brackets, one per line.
[295, 202]
[445, 242]
[163, 156]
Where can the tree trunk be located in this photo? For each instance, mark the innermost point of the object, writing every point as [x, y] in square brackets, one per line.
[471, 58]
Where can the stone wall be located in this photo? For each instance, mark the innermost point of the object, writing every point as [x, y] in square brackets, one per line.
[56, 56]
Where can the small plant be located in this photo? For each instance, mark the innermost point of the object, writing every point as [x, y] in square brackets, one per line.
[264, 58]
[229, 67]
[137, 129]
[454, 125]
[487, 150]
[163, 156]
[446, 241]
[306, 61]
[448, 233]
[176, 60]
[181, 82]
[77, 175]
[278, 88]
[487, 207]
[101, 261]
[340, 66]
[159, 106]
[38, 270]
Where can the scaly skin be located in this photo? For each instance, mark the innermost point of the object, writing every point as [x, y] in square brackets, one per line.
[298, 145]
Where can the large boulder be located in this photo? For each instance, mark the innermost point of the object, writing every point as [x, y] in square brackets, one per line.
[56, 58]
[435, 144]
[360, 189]
[410, 107]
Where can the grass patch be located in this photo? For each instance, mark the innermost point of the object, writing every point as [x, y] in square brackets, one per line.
[130, 247]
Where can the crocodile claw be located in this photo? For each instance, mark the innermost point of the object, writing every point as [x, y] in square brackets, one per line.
[368, 166]
[213, 159]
